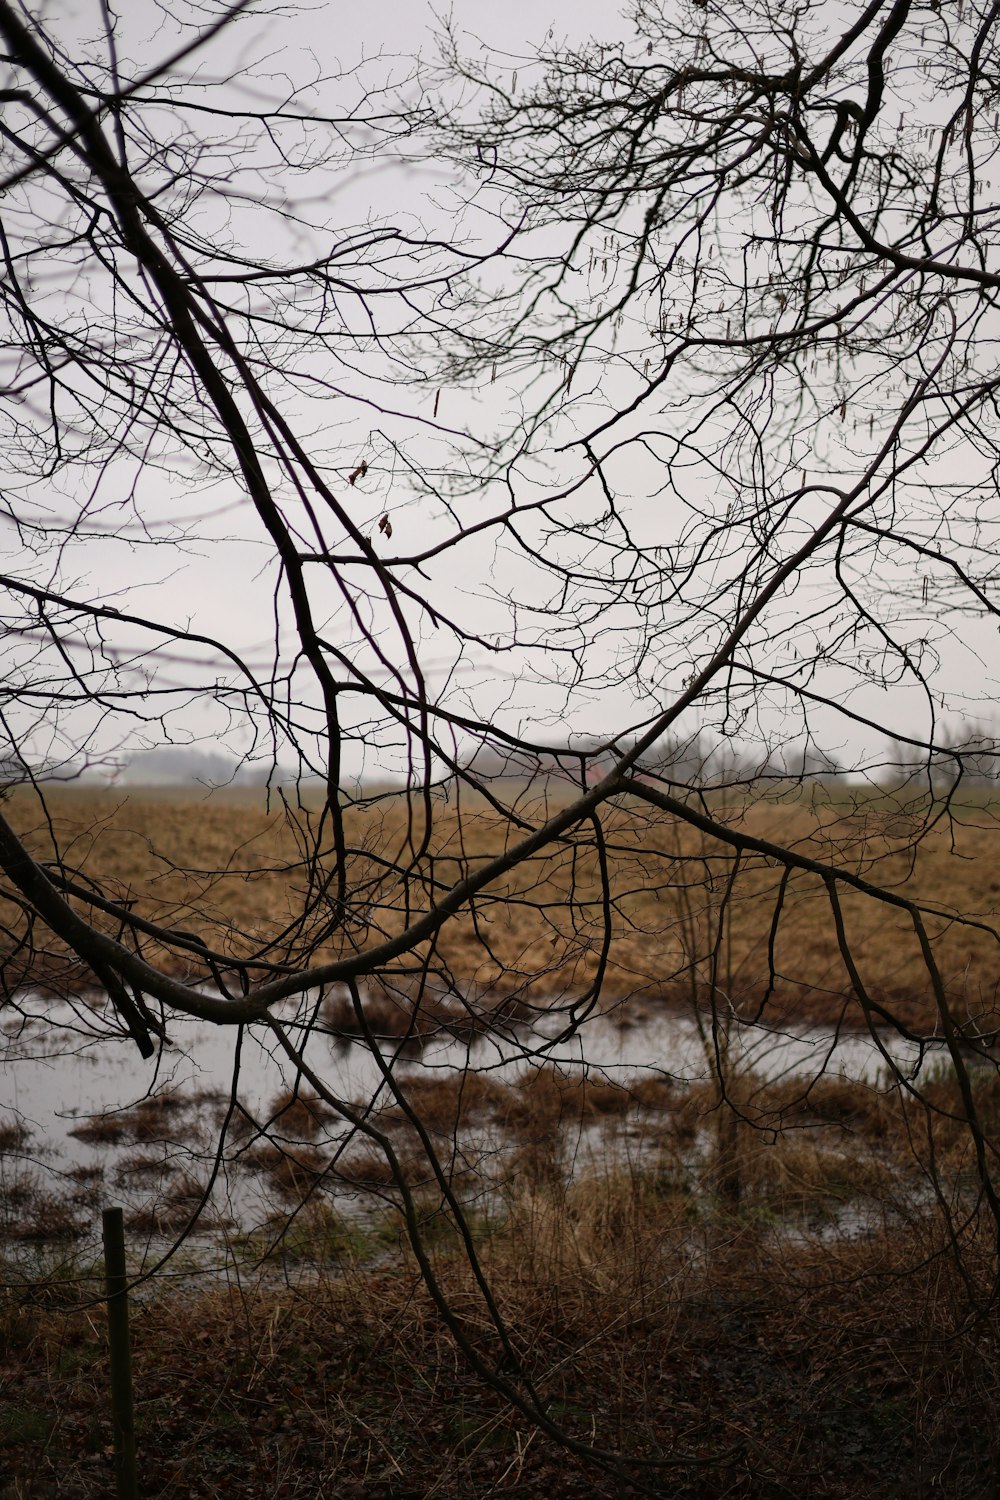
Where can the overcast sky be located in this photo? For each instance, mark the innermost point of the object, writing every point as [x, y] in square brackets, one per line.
[194, 586]
[223, 594]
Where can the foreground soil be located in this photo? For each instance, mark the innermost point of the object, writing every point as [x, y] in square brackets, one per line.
[758, 1374]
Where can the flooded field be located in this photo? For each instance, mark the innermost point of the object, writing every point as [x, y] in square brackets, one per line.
[218, 1129]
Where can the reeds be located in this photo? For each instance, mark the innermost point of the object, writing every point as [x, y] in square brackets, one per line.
[31, 1214]
[156, 1119]
[13, 1137]
[298, 1114]
[291, 1173]
[176, 1207]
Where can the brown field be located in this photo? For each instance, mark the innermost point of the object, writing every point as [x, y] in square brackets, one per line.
[240, 878]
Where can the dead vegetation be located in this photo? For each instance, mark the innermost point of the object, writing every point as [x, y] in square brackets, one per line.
[755, 1290]
[140, 1167]
[101, 1130]
[13, 1138]
[176, 1208]
[292, 1173]
[751, 1273]
[749, 1371]
[299, 1113]
[155, 1120]
[226, 871]
[386, 1015]
[32, 1214]
[447, 1100]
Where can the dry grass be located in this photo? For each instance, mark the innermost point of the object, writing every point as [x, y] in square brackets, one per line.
[13, 1138]
[788, 1148]
[153, 1120]
[159, 1119]
[393, 1016]
[31, 1214]
[368, 1168]
[845, 1106]
[729, 1354]
[101, 1130]
[717, 1300]
[85, 1174]
[142, 1167]
[291, 1173]
[448, 1101]
[231, 874]
[546, 1098]
[173, 1209]
[86, 1188]
[299, 1114]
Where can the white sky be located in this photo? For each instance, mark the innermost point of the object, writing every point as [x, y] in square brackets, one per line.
[224, 594]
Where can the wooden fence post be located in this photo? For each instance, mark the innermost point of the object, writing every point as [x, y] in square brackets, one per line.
[122, 1413]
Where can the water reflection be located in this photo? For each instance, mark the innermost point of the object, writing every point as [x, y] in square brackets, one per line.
[84, 1122]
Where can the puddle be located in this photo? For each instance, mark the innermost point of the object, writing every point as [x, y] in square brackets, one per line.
[59, 1068]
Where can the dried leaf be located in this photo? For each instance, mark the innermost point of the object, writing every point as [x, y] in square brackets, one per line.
[358, 473]
[385, 525]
